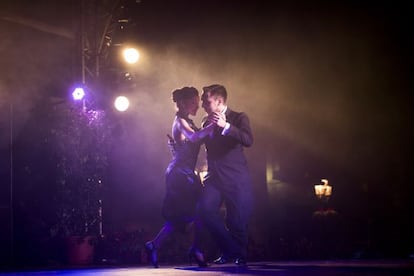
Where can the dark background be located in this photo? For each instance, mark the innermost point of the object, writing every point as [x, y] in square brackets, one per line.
[326, 85]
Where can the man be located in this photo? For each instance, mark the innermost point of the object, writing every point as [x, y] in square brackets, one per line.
[228, 180]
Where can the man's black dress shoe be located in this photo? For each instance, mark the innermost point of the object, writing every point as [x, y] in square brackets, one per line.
[240, 262]
[221, 260]
[152, 253]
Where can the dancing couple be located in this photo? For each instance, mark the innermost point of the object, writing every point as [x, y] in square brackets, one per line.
[225, 133]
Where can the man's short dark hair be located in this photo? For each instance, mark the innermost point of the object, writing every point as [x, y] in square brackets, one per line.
[216, 90]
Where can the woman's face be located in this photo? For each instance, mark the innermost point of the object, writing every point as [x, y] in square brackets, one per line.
[191, 105]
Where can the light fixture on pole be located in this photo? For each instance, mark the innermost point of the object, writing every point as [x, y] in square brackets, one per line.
[323, 191]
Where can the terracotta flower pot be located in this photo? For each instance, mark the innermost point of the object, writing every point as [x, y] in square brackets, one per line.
[80, 250]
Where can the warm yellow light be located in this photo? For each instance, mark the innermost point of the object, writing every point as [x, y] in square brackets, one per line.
[131, 55]
[319, 190]
[121, 103]
[323, 190]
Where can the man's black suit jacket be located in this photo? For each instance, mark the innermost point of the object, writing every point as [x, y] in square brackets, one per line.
[227, 165]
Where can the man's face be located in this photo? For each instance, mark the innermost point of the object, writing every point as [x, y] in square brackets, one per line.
[210, 103]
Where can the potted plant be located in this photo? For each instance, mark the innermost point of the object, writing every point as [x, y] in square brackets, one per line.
[81, 140]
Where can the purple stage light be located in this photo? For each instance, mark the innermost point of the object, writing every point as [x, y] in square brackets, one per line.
[78, 93]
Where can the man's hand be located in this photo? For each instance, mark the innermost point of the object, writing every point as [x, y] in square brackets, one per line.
[218, 118]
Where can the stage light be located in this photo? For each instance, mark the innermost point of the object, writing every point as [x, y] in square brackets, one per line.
[121, 103]
[78, 93]
[131, 55]
[128, 76]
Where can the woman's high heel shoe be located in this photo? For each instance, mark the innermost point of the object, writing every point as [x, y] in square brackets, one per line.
[197, 256]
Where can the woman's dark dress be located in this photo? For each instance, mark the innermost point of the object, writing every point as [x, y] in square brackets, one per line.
[183, 186]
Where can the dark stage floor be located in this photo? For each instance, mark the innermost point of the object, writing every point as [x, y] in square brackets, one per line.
[324, 268]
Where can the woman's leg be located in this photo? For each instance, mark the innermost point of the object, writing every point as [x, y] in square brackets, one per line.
[154, 244]
[164, 232]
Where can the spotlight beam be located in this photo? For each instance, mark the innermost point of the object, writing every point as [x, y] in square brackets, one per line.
[40, 26]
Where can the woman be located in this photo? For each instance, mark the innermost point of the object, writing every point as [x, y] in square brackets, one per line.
[183, 186]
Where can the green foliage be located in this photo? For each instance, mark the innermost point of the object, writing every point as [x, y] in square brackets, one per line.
[82, 142]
